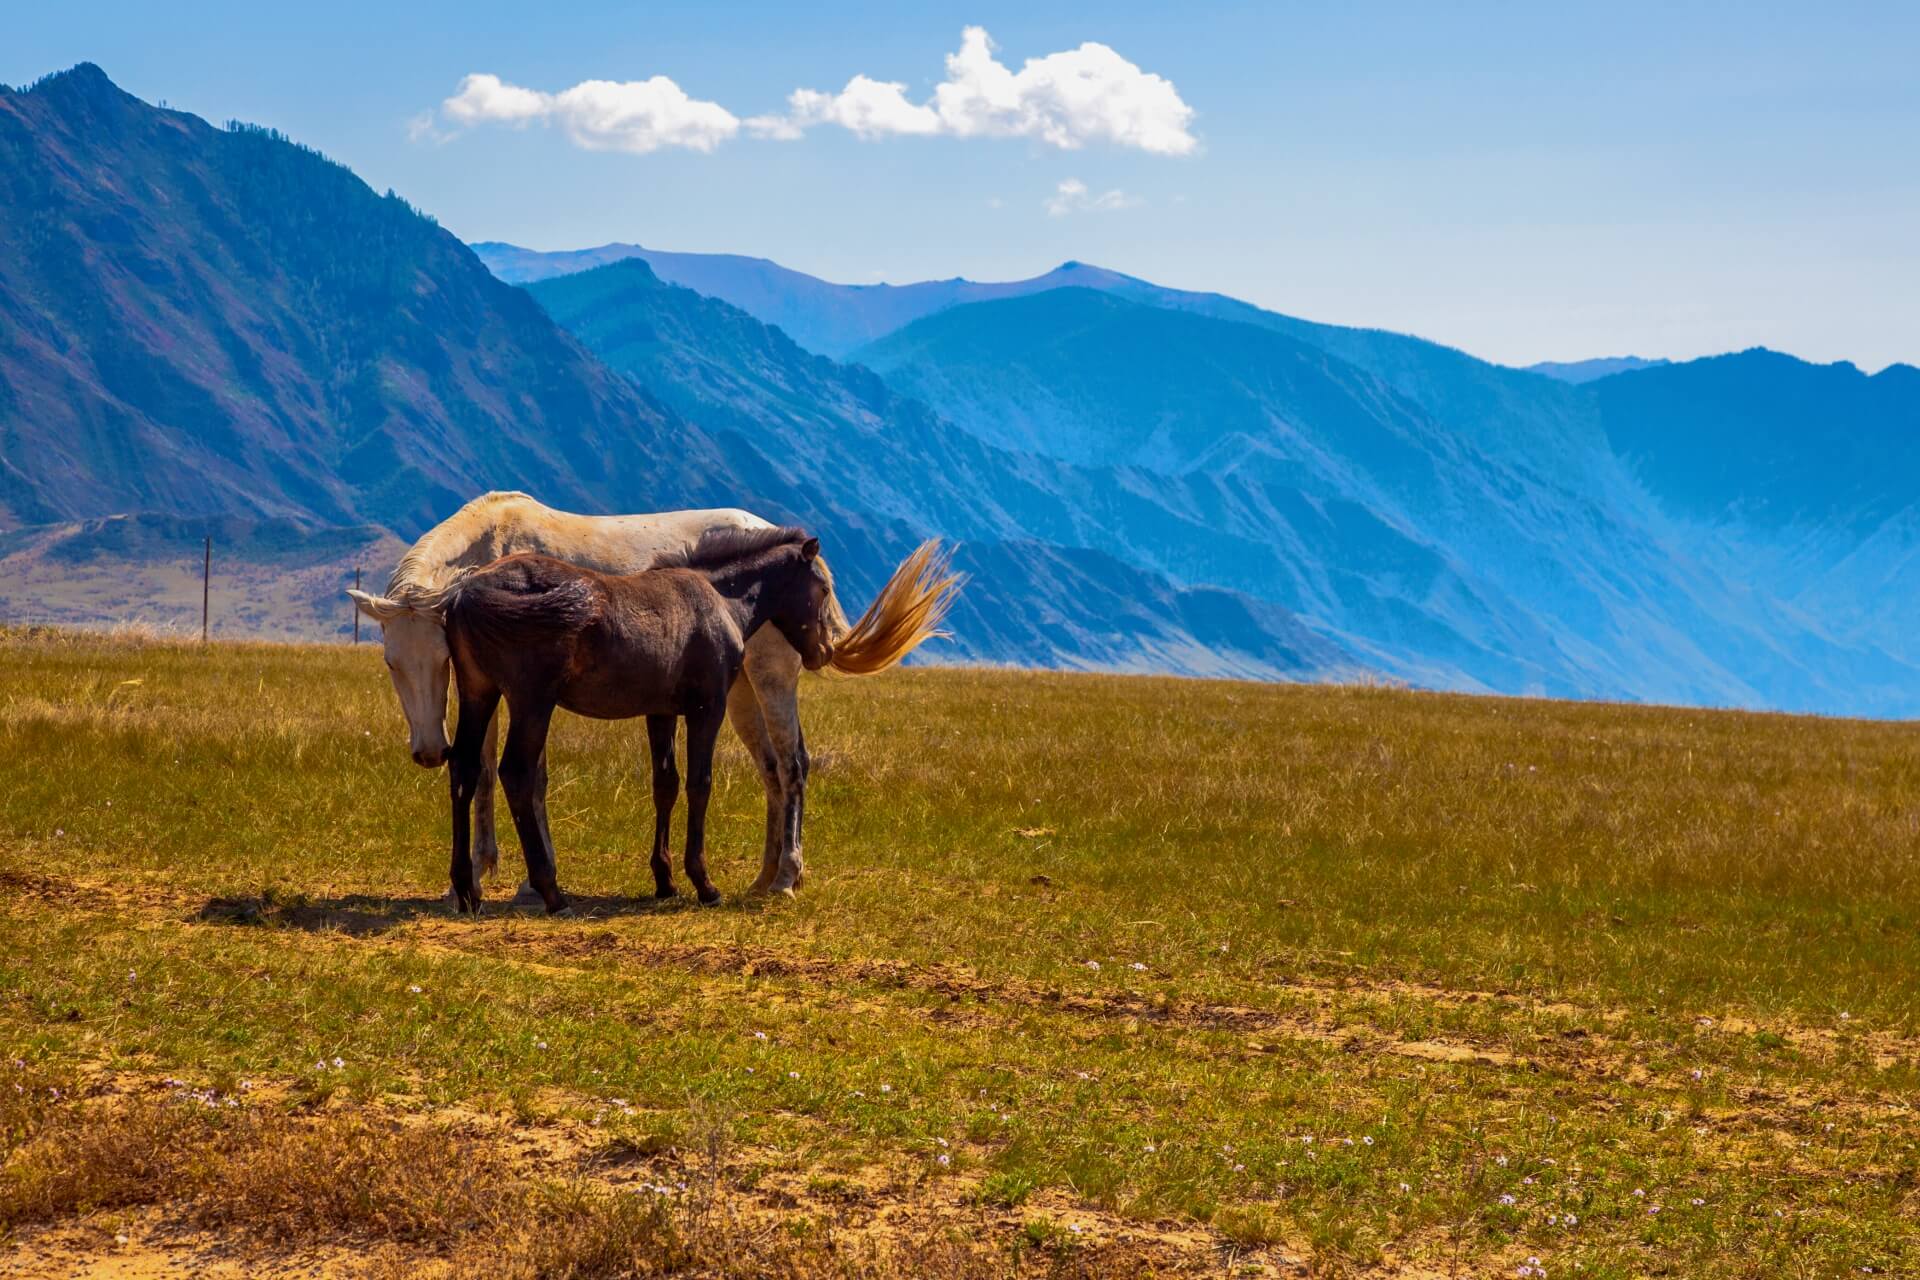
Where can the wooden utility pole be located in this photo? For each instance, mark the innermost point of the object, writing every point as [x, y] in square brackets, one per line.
[356, 607]
[206, 585]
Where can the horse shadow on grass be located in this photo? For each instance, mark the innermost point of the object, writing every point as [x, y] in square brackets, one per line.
[361, 915]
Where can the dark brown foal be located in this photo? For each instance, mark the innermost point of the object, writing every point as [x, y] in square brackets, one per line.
[663, 643]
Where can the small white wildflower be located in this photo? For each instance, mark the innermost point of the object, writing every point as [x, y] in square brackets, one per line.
[1137, 967]
[886, 1088]
[1639, 1194]
[1507, 1198]
[793, 1075]
[1696, 1202]
[1404, 1188]
[1368, 1139]
[943, 1159]
[414, 988]
[759, 1035]
[1094, 965]
[539, 1044]
[339, 1063]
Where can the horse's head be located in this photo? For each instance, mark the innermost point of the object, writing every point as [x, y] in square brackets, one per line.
[417, 660]
[802, 605]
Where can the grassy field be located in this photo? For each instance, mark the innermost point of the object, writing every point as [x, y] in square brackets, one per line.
[1090, 976]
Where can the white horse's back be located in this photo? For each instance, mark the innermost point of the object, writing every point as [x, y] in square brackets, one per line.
[504, 524]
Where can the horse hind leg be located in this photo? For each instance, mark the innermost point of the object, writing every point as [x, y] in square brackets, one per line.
[774, 668]
[703, 730]
[523, 775]
[486, 838]
[743, 710]
[666, 790]
[463, 769]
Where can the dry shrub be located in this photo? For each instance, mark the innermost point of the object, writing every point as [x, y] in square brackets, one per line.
[454, 1196]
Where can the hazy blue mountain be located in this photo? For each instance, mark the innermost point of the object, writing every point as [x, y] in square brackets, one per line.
[1448, 520]
[831, 319]
[216, 322]
[219, 331]
[1496, 522]
[1801, 478]
[839, 320]
[1766, 440]
[200, 324]
[833, 429]
[1583, 371]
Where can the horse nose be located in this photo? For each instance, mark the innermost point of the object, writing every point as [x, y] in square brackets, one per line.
[429, 759]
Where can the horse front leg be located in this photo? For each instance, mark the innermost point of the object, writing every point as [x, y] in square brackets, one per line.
[703, 730]
[666, 789]
[775, 672]
[486, 837]
[743, 712]
[523, 775]
[463, 771]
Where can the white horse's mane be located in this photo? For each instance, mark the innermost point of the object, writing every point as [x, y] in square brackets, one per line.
[443, 553]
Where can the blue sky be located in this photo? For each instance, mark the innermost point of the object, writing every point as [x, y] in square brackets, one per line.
[1524, 181]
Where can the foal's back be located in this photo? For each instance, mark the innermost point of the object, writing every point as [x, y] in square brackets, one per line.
[606, 645]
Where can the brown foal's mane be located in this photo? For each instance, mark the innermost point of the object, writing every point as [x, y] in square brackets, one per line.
[718, 548]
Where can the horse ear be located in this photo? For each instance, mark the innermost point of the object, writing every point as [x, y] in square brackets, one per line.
[810, 548]
[379, 608]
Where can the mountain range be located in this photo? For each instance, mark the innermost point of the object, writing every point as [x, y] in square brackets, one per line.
[202, 324]
[1449, 521]
[218, 324]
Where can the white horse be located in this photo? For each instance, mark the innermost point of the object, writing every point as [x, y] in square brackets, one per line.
[763, 705]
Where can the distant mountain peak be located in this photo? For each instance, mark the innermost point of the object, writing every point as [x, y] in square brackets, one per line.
[82, 82]
[1581, 371]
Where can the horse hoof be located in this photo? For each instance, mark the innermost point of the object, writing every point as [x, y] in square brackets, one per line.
[709, 897]
[665, 892]
[565, 911]
[528, 896]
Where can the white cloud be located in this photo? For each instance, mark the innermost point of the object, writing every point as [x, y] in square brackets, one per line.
[1072, 196]
[636, 116]
[485, 99]
[1067, 99]
[870, 108]
[425, 127]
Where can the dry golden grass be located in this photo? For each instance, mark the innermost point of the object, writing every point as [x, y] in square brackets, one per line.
[1353, 978]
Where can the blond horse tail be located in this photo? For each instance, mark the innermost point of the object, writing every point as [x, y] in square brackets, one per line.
[908, 610]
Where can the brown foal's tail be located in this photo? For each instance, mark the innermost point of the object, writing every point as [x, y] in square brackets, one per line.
[908, 610]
